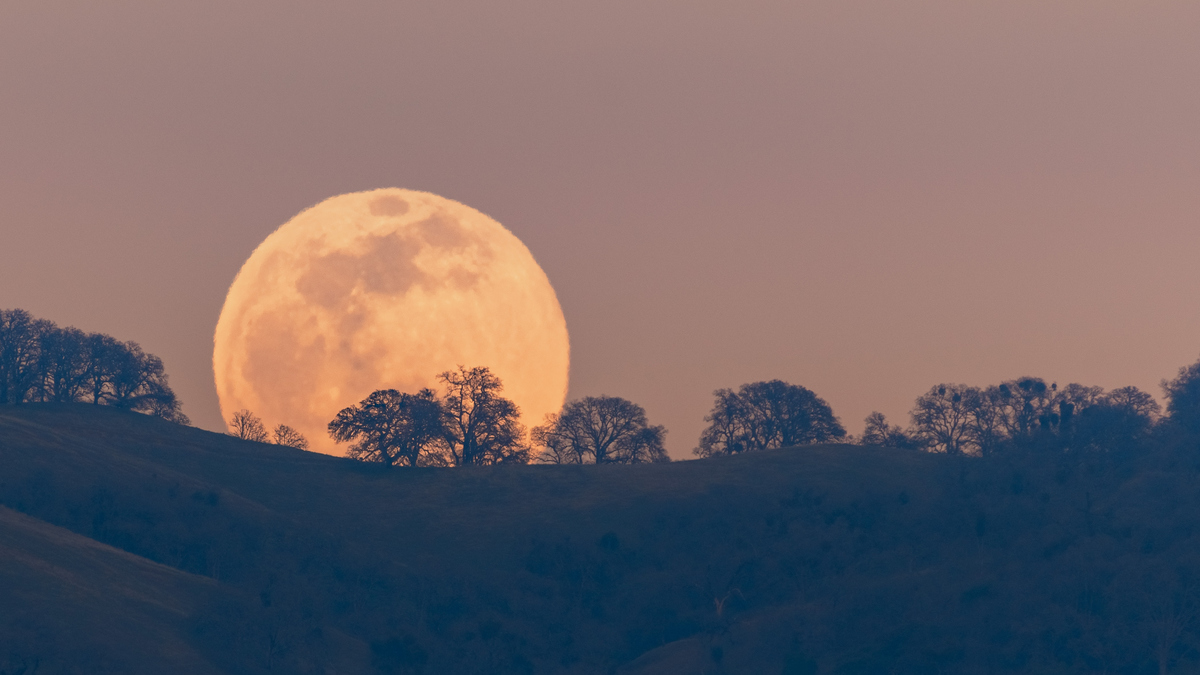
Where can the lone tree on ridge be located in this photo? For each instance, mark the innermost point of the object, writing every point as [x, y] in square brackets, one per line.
[285, 435]
[600, 430]
[767, 415]
[247, 426]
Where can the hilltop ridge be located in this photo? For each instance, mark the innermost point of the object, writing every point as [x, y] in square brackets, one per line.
[818, 559]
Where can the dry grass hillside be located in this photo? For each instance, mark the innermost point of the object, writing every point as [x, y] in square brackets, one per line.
[144, 544]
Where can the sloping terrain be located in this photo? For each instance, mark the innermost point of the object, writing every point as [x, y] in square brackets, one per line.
[835, 559]
[69, 600]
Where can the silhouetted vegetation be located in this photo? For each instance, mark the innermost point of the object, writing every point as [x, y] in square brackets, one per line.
[480, 426]
[767, 416]
[393, 428]
[1027, 413]
[822, 559]
[471, 424]
[1061, 534]
[1183, 399]
[878, 431]
[285, 435]
[600, 430]
[247, 426]
[42, 363]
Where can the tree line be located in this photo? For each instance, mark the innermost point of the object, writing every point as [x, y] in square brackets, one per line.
[43, 363]
[958, 419]
[1028, 413]
[469, 422]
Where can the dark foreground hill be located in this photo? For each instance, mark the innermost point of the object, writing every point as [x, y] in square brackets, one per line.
[151, 547]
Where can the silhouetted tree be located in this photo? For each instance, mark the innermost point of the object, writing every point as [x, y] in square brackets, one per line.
[600, 430]
[1135, 401]
[40, 362]
[103, 352]
[247, 426]
[479, 425]
[63, 365]
[20, 341]
[1183, 398]
[1027, 404]
[1114, 421]
[766, 415]
[393, 428]
[139, 383]
[941, 418]
[877, 431]
[285, 435]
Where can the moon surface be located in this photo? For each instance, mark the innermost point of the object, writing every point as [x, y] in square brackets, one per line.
[385, 289]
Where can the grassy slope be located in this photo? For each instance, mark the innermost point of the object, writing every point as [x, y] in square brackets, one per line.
[70, 599]
[841, 558]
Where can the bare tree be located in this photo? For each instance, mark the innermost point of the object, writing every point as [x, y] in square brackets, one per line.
[392, 428]
[877, 431]
[20, 342]
[1183, 398]
[941, 418]
[285, 435]
[1134, 400]
[600, 430]
[479, 425]
[247, 426]
[101, 354]
[63, 365]
[766, 415]
[1028, 405]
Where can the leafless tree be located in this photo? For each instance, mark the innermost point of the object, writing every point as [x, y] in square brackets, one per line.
[941, 418]
[20, 341]
[63, 365]
[1134, 400]
[247, 426]
[479, 425]
[877, 431]
[285, 435]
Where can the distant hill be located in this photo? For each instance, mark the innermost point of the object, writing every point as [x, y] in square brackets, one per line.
[145, 546]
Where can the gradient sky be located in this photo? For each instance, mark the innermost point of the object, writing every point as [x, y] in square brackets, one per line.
[865, 198]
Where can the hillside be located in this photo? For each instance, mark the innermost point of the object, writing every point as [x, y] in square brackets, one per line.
[72, 600]
[241, 557]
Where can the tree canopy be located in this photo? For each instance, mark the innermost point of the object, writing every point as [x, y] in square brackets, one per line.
[469, 424]
[767, 415]
[393, 428]
[42, 363]
[600, 430]
[480, 425]
[1183, 398]
[960, 419]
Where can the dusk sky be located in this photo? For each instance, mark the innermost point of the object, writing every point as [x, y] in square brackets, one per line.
[864, 198]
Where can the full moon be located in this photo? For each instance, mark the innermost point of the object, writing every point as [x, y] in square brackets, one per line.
[384, 290]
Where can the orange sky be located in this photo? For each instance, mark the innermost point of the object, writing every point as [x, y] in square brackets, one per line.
[865, 198]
